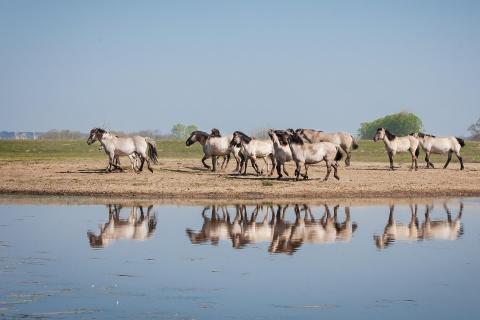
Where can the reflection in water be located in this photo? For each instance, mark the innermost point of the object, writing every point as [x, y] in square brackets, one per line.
[283, 236]
[137, 226]
[429, 230]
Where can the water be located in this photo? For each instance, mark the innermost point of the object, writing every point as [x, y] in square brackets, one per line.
[55, 261]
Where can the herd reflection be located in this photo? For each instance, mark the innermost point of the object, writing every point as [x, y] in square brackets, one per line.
[137, 226]
[429, 229]
[285, 228]
[283, 235]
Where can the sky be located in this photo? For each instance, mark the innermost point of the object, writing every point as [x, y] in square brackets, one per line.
[237, 65]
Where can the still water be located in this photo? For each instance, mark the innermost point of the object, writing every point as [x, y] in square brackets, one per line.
[415, 260]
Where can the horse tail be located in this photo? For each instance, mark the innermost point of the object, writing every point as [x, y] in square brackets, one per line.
[461, 142]
[152, 150]
[354, 143]
[417, 151]
[339, 155]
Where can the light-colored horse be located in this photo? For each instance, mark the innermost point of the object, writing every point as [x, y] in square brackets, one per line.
[440, 145]
[114, 146]
[344, 139]
[282, 152]
[429, 230]
[253, 149]
[305, 154]
[394, 145]
[135, 227]
[214, 146]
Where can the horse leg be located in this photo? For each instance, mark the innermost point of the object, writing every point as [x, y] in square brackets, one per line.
[284, 170]
[329, 169]
[272, 158]
[349, 155]
[148, 165]
[335, 173]
[279, 170]
[255, 166]
[297, 171]
[448, 159]
[214, 163]
[427, 159]
[414, 160]
[238, 160]
[203, 161]
[390, 157]
[460, 159]
[226, 160]
[305, 176]
[142, 162]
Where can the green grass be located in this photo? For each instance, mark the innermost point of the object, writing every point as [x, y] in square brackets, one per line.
[368, 151]
[79, 149]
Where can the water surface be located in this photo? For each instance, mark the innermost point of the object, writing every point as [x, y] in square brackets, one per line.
[303, 261]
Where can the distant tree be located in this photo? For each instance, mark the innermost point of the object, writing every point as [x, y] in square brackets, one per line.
[475, 130]
[181, 131]
[62, 135]
[402, 123]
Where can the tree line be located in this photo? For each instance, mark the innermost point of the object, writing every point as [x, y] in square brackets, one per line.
[402, 123]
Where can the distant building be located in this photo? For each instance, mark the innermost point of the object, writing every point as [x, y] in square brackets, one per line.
[12, 135]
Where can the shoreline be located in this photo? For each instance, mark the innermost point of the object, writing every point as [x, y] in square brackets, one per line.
[184, 180]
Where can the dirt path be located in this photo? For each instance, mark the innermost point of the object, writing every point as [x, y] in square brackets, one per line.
[187, 180]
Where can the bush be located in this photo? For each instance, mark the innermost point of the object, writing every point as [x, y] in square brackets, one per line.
[401, 124]
[181, 131]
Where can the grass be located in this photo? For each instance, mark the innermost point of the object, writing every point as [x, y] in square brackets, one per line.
[79, 149]
[368, 151]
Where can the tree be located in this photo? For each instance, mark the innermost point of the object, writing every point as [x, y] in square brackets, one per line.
[181, 131]
[475, 130]
[402, 123]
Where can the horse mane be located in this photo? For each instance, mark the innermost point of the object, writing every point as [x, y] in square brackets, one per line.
[282, 136]
[99, 130]
[390, 136]
[201, 133]
[243, 136]
[215, 133]
[423, 135]
[295, 138]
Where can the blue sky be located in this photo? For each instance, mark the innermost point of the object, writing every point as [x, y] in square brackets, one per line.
[131, 65]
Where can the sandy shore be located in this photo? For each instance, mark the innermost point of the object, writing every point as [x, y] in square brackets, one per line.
[186, 180]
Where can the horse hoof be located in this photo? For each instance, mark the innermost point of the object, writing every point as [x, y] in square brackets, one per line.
[337, 177]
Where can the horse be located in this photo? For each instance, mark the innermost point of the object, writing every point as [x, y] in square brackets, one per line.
[282, 152]
[253, 149]
[114, 146]
[214, 146]
[344, 139]
[394, 144]
[135, 227]
[440, 145]
[311, 153]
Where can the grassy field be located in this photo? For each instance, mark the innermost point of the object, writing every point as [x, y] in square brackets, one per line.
[78, 149]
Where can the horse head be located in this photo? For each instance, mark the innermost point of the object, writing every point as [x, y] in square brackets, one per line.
[196, 136]
[95, 134]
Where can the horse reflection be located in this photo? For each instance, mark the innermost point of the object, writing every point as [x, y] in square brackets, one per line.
[429, 230]
[283, 236]
[137, 226]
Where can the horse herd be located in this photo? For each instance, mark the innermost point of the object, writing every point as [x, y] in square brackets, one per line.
[273, 225]
[304, 147]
